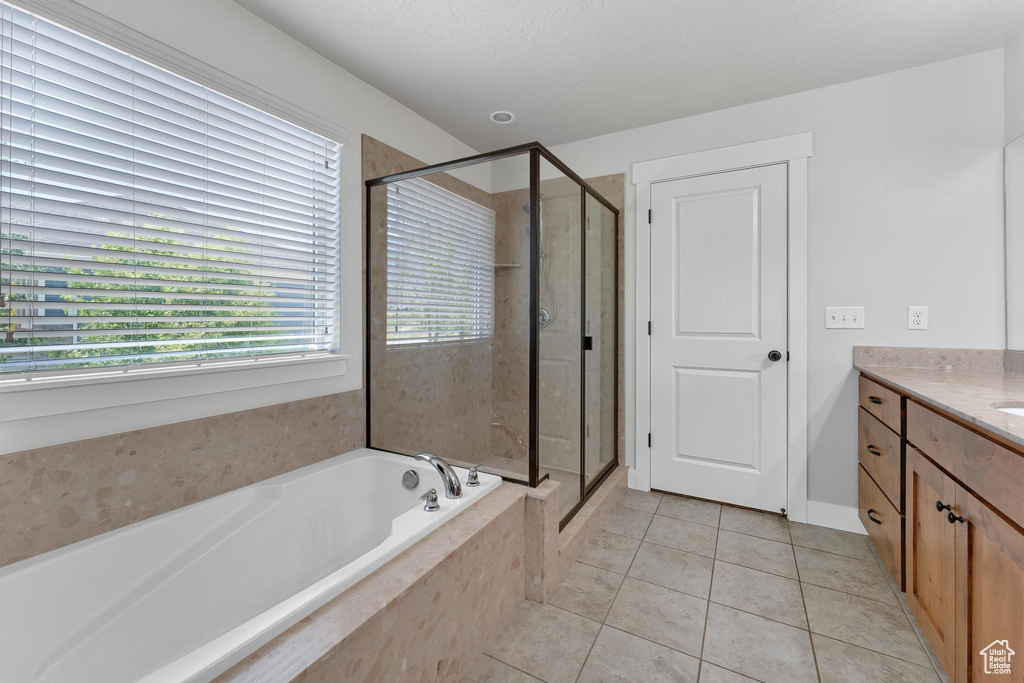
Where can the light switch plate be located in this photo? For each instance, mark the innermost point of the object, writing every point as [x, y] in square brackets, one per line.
[844, 317]
[917, 317]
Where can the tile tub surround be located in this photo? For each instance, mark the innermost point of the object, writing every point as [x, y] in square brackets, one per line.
[54, 496]
[425, 615]
[960, 390]
[756, 624]
[550, 554]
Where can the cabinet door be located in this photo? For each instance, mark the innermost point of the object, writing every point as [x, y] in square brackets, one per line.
[931, 555]
[990, 592]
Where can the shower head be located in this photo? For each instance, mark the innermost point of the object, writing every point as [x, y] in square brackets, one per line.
[526, 206]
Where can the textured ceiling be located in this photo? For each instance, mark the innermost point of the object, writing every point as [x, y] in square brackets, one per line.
[572, 69]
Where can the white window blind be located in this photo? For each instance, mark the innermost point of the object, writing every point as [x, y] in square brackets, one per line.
[440, 266]
[148, 219]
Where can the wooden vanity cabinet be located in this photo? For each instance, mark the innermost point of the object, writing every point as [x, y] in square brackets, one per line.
[931, 554]
[989, 589]
[963, 551]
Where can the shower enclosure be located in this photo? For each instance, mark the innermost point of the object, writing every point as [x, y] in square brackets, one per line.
[492, 319]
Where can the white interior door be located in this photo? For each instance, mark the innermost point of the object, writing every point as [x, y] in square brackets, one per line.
[718, 310]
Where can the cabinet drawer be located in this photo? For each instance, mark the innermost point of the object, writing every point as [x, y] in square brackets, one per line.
[883, 523]
[881, 402]
[879, 453]
[995, 473]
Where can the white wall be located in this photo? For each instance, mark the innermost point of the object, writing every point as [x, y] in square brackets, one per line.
[229, 38]
[905, 208]
[1013, 84]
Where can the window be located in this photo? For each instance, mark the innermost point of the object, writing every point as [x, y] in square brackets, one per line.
[148, 219]
[440, 266]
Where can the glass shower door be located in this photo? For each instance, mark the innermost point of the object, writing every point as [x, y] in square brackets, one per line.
[559, 281]
[600, 339]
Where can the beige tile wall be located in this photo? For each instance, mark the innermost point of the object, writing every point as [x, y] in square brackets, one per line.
[51, 497]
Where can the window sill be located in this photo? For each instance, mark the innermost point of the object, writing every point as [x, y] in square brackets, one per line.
[33, 413]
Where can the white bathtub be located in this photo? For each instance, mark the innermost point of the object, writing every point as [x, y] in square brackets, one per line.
[184, 596]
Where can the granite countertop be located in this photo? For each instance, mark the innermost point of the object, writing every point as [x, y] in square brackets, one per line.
[965, 392]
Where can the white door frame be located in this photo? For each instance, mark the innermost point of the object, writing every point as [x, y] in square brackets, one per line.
[792, 150]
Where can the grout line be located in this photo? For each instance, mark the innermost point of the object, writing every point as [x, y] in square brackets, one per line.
[868, 649]
[933, 659]
[612, 604]
[763, 538]
[512, 666]
[680, 550]
[766, 571]
[856, 595]
[814, 653]
[704, 661]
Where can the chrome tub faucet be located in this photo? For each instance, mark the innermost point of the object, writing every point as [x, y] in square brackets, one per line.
[452, 486]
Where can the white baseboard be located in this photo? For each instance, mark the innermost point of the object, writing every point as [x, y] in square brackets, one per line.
[631, 478]
[834, 516]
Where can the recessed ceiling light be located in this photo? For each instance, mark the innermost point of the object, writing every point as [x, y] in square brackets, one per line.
[502, 117]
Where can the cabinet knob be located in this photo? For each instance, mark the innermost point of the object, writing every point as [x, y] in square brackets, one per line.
[954, 518]
[940, 506]
[873, 450]
[874, 399]
[871, 517]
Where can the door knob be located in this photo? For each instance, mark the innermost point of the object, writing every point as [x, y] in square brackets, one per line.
[774, 356]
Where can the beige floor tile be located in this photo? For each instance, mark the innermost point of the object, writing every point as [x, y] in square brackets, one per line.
[690, 509]
[627, 522]
[689, 536]
[545, 641]
[753, 523]
[767, 595]
[619, 657]
[845, 574]
[709, 673]
[609, 551]
[489, 670]
[587, 591]
[756, 553]
[665, 616]
[840, 662]
[757, 647]
[684, 572]
[831, 540]
[861, 621]
[645, 501]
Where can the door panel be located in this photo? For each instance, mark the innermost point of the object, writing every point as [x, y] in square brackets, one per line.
[990, 592]
[718, 307]
[728, 448]
[716, 283]
[931, 553]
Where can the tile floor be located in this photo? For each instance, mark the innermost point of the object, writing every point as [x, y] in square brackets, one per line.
[678, 589]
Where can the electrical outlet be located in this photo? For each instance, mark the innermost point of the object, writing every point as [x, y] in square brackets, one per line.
[917, 317]
[844, 317]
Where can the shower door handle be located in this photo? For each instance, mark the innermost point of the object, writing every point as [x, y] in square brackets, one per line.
[588, 343]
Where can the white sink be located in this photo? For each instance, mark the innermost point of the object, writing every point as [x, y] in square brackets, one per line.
[1011, 408]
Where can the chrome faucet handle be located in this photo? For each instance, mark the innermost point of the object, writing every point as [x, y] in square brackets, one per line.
[431, 498]
[474, 477]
